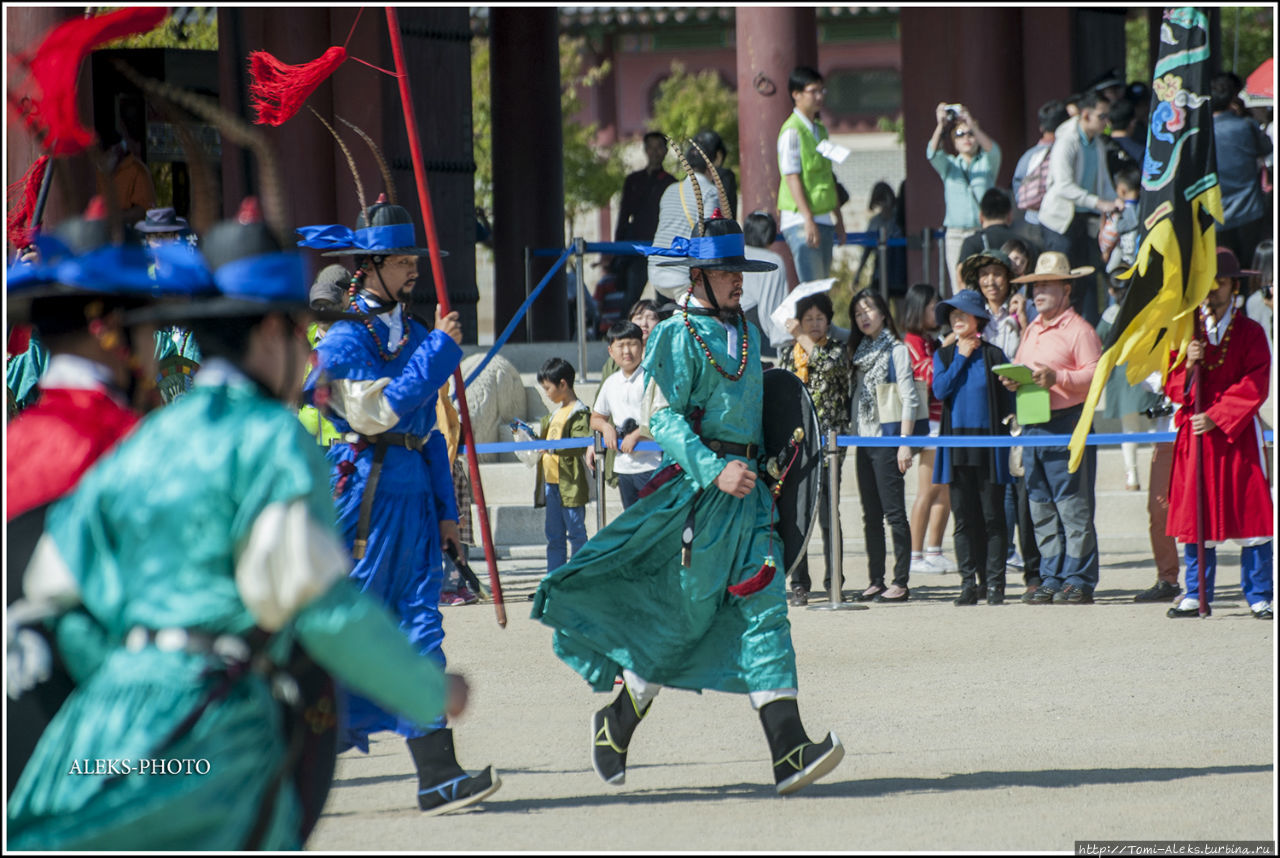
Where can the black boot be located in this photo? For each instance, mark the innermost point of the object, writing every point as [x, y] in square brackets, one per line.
[968, 592]
[797, 762]
[443, 786]
[995, 589]
[611, 730]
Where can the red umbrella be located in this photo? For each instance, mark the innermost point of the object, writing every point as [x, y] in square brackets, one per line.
[1263, 80]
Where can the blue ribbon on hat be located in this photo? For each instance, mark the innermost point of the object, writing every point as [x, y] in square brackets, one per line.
[335, 236]
[181, 270]
[268, 277]
[704, 247]
[121, 270]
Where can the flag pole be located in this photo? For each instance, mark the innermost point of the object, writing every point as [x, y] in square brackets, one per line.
[1197, 394]
[442, 298]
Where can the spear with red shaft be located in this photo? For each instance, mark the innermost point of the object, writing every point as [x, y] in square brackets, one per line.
[442, 297]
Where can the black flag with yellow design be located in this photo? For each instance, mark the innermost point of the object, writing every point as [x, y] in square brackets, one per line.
[1179, 204]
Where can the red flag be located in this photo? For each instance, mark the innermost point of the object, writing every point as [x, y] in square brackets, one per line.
[46, 99]
[278, 90]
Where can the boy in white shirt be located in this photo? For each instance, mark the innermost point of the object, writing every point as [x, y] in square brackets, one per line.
[617, 413]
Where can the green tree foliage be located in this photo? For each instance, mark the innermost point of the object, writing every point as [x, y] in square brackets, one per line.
[199, 32]
[592, 173]
[689, 103]
[1253, 25]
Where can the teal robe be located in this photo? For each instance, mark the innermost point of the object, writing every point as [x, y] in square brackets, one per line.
[177, 360]
[152, 537]
[625, 600]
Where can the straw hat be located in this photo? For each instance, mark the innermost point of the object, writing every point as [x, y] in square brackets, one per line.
[1053, 265]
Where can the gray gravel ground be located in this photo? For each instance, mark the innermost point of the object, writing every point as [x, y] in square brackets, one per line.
[1013, 728]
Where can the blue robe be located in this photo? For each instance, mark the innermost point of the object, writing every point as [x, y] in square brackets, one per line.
[625, 600]
[403, 566]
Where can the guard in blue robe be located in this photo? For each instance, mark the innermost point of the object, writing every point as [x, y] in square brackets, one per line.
[378, 381]
[682, 589]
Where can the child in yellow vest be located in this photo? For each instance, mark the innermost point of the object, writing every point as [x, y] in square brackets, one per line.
[562, 474]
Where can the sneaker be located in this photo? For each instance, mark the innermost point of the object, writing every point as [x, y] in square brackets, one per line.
[457, 793]
[1188, 608]
[1014, 560]
[941, 562]
[923, 566]
[807, 763]
[458, 597]
[1262, 611]
[1073, 595]
[1131, 481]
[1039, 596]
[1162, 591]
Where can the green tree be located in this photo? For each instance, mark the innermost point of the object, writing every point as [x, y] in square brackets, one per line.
[592, 173]
[688, 103]
[197, 31]
[1253, 25]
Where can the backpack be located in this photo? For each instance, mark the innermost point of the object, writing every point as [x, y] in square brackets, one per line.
[1031, 191]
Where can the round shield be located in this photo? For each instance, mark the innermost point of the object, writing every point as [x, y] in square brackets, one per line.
[787, 408]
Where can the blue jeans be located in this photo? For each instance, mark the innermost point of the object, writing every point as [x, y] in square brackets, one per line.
[563, 522]
[812, 263]
[1062, 505]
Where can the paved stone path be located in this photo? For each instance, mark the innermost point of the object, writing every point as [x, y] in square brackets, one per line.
[983, 728]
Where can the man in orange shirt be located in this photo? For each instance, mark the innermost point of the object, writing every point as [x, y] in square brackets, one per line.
[1062, 350]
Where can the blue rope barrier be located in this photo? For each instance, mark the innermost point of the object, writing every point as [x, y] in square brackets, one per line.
[1095, 440]
[515, 320]
[628, 248]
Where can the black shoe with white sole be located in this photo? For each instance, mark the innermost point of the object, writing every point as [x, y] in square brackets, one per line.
[797, 761]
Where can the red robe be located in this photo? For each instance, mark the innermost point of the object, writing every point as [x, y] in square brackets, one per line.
[49, 446]
[1237, 500]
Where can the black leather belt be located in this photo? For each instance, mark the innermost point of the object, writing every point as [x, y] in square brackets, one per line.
[397, 439]
[728, 448]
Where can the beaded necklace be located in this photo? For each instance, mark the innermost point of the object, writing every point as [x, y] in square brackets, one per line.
[357, 280]
[1222, 345]
[742, 364]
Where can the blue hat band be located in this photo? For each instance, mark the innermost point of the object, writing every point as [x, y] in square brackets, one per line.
[373, 239]
[705, 247]
[180, 270]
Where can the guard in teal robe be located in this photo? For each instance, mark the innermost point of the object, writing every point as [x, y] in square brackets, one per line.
[681, 589]
[204, 546]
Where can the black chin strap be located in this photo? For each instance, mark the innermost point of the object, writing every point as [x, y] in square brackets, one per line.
[383, 308]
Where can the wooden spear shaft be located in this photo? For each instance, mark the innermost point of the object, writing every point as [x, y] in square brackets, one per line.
[442, 297]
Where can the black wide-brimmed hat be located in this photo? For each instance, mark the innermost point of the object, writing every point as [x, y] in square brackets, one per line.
[162, 220]
[720, 247]
[241, 271]
[384, 229]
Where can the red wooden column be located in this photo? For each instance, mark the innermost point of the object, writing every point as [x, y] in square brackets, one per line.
[772, 41]
[73, 178]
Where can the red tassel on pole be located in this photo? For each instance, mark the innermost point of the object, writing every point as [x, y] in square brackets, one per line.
[442, 298]
[18, 223]
[278, 90]
[46, 101]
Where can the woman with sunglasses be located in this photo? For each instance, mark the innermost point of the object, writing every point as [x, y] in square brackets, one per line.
[966, 176]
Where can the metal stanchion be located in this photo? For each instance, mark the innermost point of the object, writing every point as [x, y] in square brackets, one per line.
[944, 287]
[882, 257]
[528, 287]
[600, 452]
[835, 601]
[924, 250]
[579, 248]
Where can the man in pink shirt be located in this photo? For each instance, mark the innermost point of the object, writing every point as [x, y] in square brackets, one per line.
[1062, 350]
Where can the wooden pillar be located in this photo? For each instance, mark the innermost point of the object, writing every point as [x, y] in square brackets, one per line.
[771, 41]
[73, 178]
[989, 82]
[528, 165]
